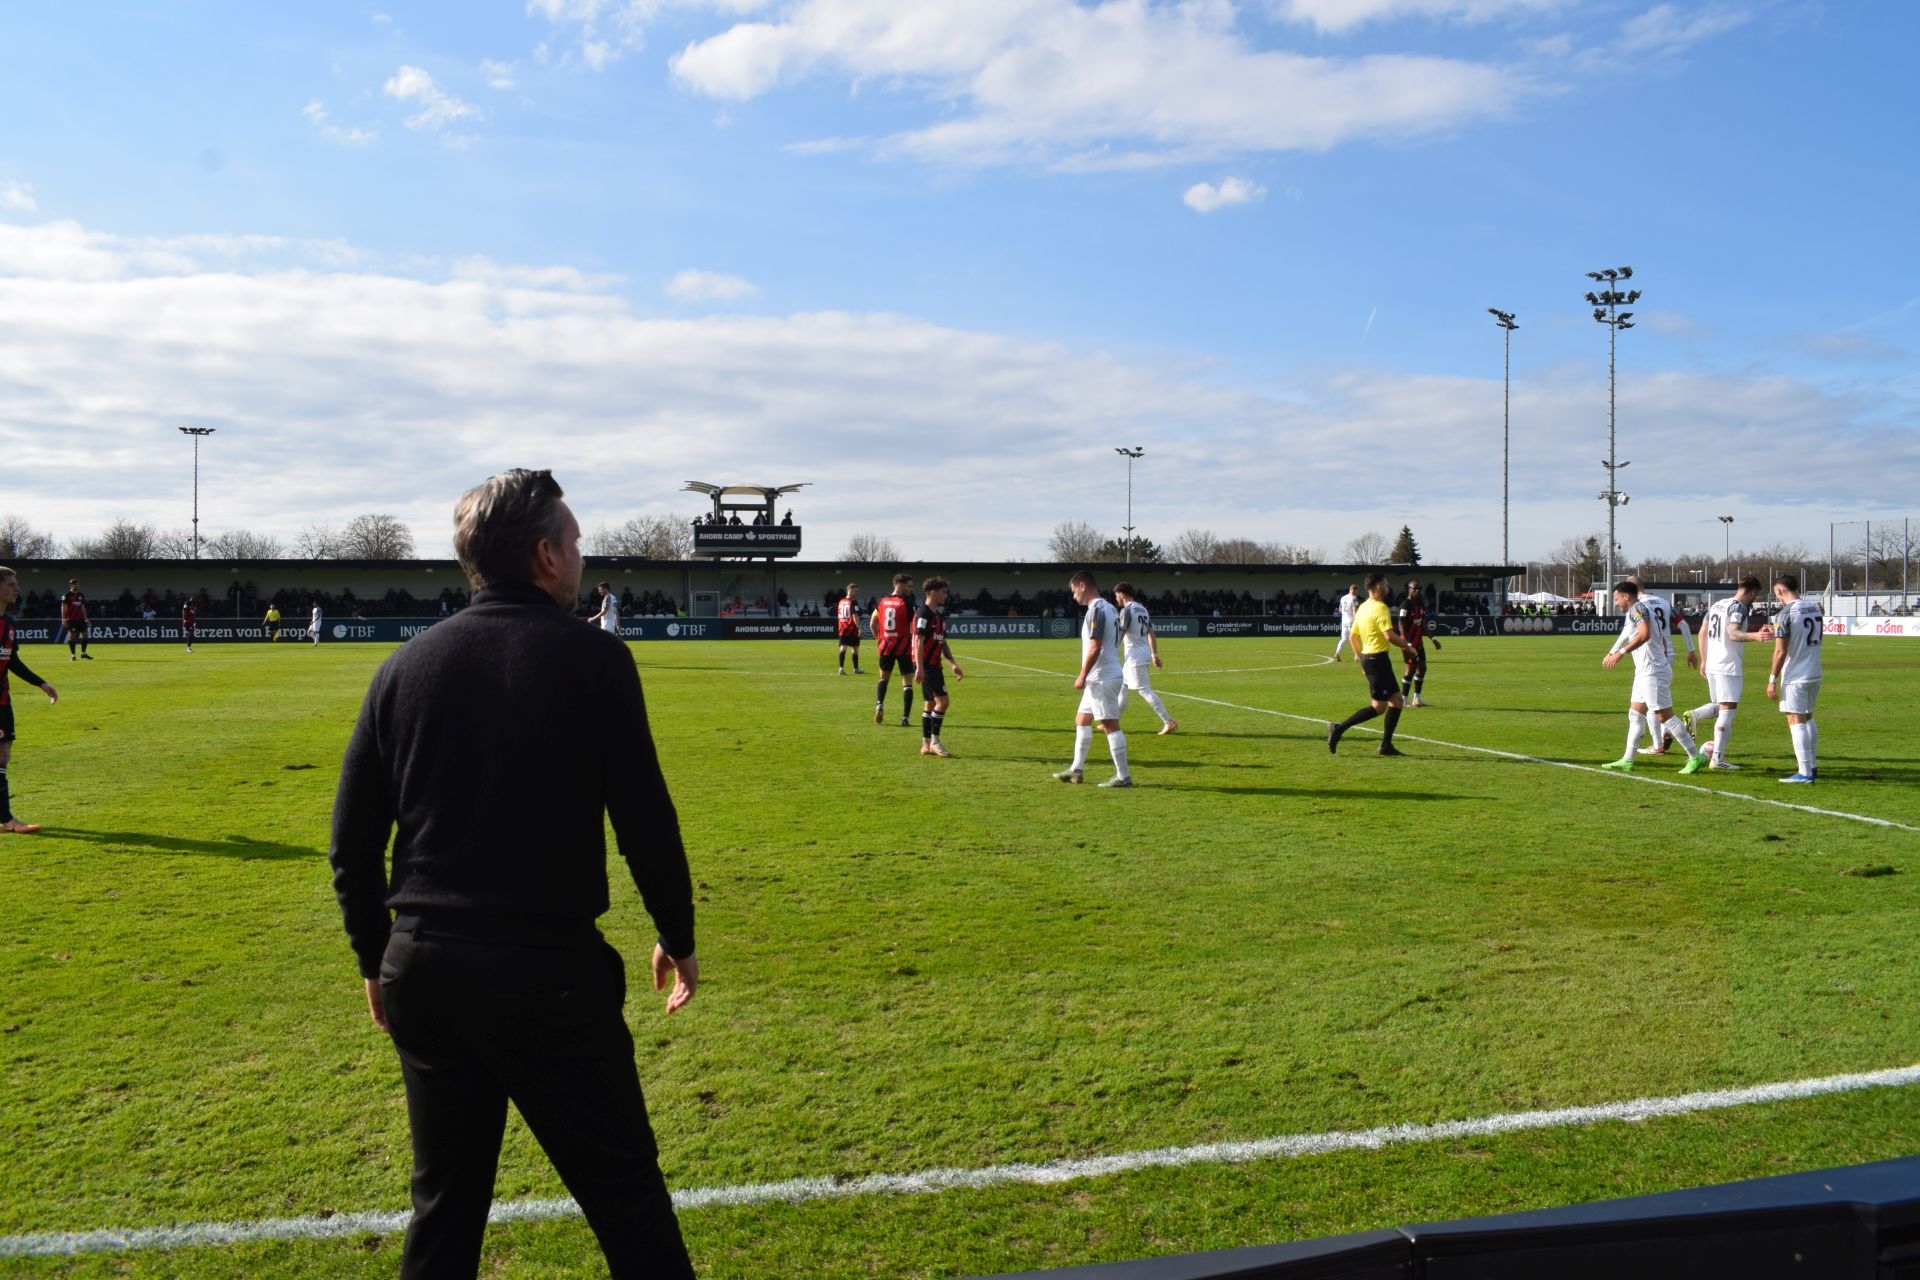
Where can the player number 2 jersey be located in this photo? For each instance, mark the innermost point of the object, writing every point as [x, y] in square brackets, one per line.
[1802, 625]
[1720, 654]
[1136, 628]
[1102, 623]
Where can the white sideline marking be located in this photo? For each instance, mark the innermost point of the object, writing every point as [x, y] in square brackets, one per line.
[1516, 755]
[931, 1181]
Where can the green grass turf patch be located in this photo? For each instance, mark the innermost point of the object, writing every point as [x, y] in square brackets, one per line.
[912, 963]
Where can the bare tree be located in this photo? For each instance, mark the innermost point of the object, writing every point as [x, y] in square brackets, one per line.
[242, 544]
[21, 541]
[121, 540]
[1368, 548]
[1292, 553]
[316, 542]
[649, 537]
[376, 537]
[173, 544]
[870, 547]
[1075, 542]
[1194, 546]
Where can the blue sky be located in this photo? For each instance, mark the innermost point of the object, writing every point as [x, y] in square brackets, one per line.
[938, 259]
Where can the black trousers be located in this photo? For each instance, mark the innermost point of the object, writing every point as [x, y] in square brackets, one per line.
[480, 1021]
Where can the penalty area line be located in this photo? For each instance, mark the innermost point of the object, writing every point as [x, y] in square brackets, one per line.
[933, 1181]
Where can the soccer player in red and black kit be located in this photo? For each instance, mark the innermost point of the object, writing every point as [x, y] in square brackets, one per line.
[10, 665]
[846, 618]
[929, 643]
[893, 637]
[1412, 620]
[189, 618]
[73, 616]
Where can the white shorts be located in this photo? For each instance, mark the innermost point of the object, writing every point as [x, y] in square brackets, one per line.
[1798, 696]
[1653, 689]
[1137, 675]
[1724, 688]
[1101, 699]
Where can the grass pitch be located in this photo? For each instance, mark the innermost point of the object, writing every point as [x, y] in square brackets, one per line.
[911, 963]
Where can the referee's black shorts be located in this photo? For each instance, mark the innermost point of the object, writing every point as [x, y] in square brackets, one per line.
[1381, 686]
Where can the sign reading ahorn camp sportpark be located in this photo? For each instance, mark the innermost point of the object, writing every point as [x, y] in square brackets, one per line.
[746, 540]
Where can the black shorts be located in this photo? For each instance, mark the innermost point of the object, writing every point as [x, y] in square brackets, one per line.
[1415, 654]
[850, 639]
[888, 661]
[6, 722]
[933, 681]
[1381, 686]
[77, 630]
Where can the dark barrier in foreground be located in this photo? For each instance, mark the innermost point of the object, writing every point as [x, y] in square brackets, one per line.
[1855, 1223]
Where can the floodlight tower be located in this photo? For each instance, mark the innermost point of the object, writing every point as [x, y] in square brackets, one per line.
[1726, 527]
[1505, 320]
[1606, 302]
[196, 433]
[1131, 455]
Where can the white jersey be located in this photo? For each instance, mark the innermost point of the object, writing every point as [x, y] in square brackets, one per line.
[313, 623]
[1136, 630]
[1655, 657]
[610, 615]
[1348, 604]
[1102, 623]
[1720, 653]
[1801, 624]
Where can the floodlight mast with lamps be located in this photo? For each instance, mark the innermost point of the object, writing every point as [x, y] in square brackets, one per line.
[1605, 304]
[1505, 320]
[196, 433]
[1130, 455]
[1726, 527]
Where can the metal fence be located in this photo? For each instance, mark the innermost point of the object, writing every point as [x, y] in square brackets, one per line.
[1872, 569]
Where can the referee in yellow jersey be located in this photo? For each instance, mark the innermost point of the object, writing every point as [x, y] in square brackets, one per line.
[1373, 631]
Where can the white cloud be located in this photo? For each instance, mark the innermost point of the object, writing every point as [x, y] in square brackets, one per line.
[17, 197]
[1203, 197]
[708, 286]
[316, 112]
[500, 75]
[1121, 83]
[1336, 17]
[1664, 29]
[343, 391]
[438, 108]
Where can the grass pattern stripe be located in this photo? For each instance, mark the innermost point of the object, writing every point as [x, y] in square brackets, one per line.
[933, 1181]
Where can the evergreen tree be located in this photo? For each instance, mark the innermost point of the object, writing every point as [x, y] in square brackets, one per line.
[1405, 549]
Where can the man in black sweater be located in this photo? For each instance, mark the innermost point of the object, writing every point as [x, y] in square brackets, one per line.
[489, 747]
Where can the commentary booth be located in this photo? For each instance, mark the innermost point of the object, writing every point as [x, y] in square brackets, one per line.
[742, 527]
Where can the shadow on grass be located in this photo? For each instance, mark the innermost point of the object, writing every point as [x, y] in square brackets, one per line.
[1368, 795]
[154, 842]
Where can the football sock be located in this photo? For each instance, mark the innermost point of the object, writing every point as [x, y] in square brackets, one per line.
[1704, 710]
[1804, 741]
[1082, 742]
[880, 693]
[906, 700]
[1125, 695]
[1159, 707]
[937, 719]
[926, 725]
[72, 644]
[1361, 716]
[843, 659]
[1636, 730]
[1682, 735]
[1386, 732]
[1117, 748]
[1406, 686]
[1417, 682]
[1722, 733]
[6, 797]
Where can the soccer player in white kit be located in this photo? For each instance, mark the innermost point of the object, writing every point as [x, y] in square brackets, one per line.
[1723, 663]
[1794, 679]
[609, 615]
[1348, 604]
[1100, 683]
[1142, 654]
[313, 623]
[1647, 635]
